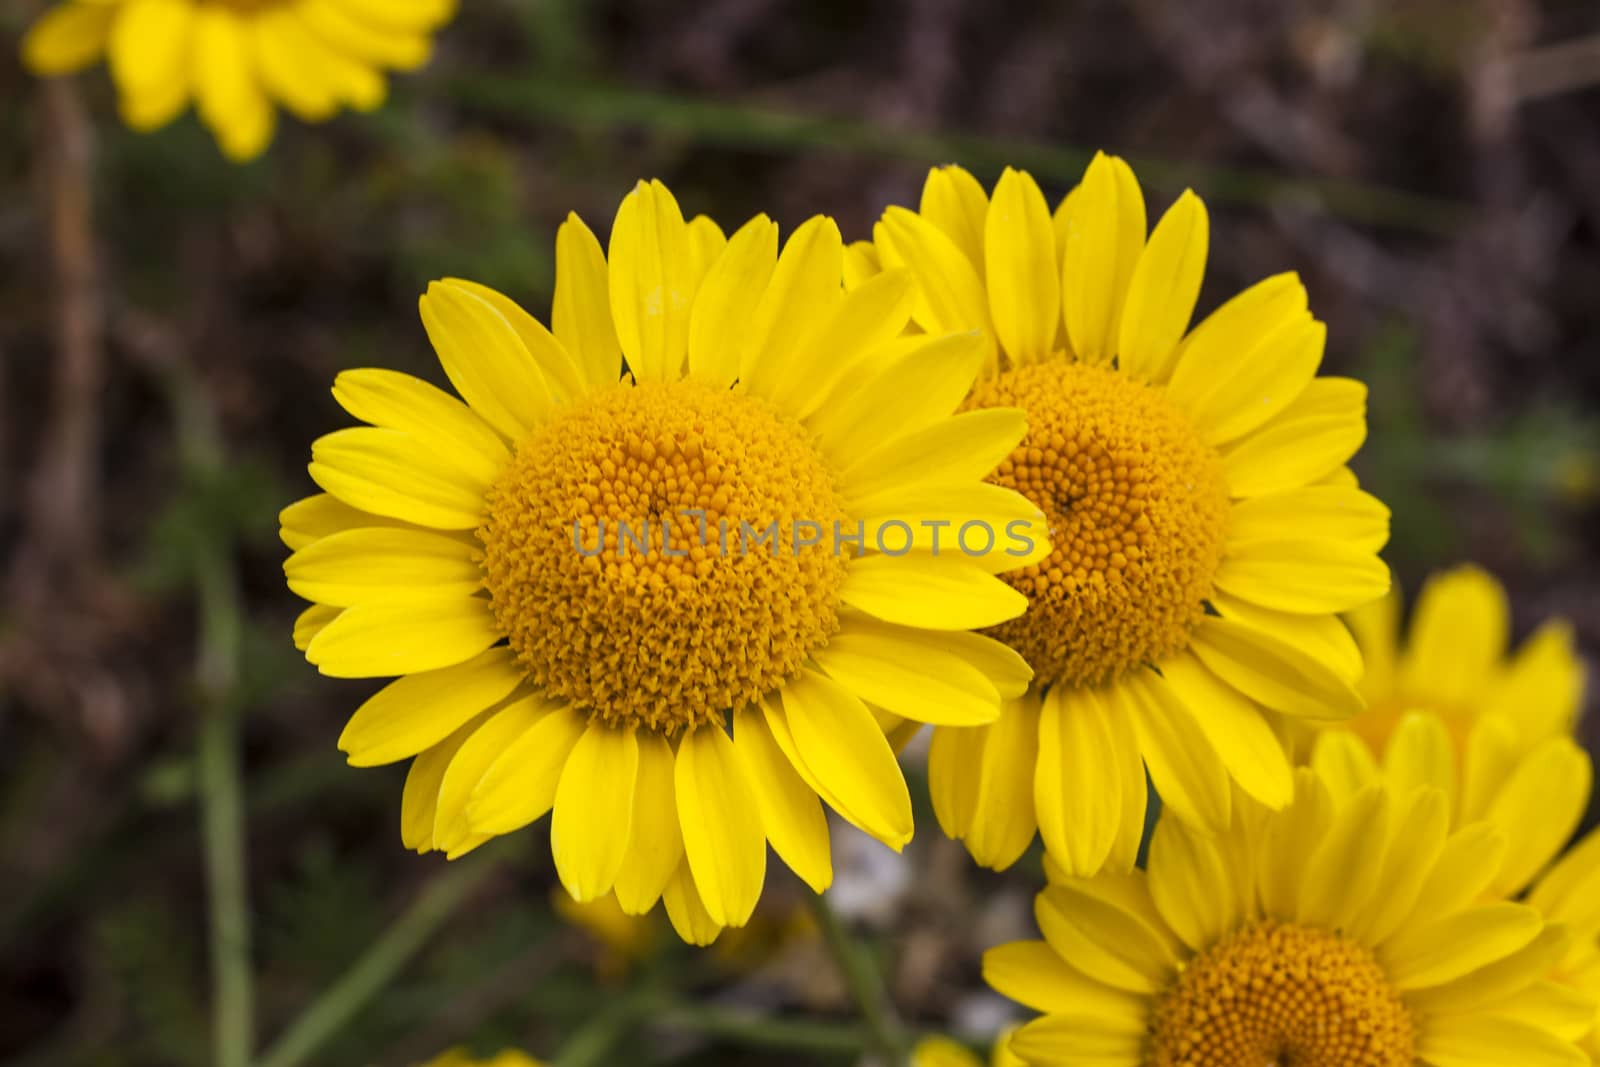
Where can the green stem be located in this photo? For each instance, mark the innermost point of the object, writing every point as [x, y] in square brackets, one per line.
[379, 965]
[864, 983]
[222, 817]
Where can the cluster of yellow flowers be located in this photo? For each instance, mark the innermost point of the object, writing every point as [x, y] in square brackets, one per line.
[982, 473]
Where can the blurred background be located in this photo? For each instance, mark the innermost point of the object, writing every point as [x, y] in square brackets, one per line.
[170, 325]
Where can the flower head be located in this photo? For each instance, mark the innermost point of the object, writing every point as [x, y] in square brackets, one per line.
[1456, 662]
[238, 60]
[1205, 529]
[1325, 934]
[678, 607]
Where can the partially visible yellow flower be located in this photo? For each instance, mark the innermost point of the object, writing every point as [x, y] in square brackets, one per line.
[238, 60]
[1205, 528]
[1326, 934]
[1455, 662]
[1533, 797]
[461, 1058]
[625, 939]
[943, 1052]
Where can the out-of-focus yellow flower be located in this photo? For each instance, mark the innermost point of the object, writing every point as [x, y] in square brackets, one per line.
[1455, 662]
[461, 1058]
[238, 60]
[943, 1052]
[625, 938]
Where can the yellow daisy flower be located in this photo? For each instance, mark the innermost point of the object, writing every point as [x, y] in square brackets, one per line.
[237, 60]
[943, 1052]
[1205, 528]
[1323, 935]
[1455, 663]
[585, 579]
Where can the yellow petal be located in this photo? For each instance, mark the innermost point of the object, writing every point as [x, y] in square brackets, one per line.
[420, 710]
[1458, 635]
[1248, 359]
[485, 359]
[1185, 770]
[892, 667]
[1303, 575]
[1463, 870]
[1191, 885]
[804, 287]
[591, 827]
[376, 640]
[1414, 847]
[1342, 872]
[1235, 729]
[1492, 1041]
[1431, 953]
[322, 514]
[1277, 675]
[950, 296]
[962, 448]
[1079, 1037]
[1030, 973]
[1162, 291]
[581, 311]
[67, 38]
[419, 800]
[149, 56]
[720, 322]
[1335, 513]
[488, 743]
[519, 785]
[384, 564]
[228, 92]
[1421, 753]
[1024, 285]
[391, 473]
[651, 277]
[944, 369]
[861, 264]
[561, 373]
[1105, 231]
[1107, 943]
[312, 622]
[1313, 436]
[285, 55]
[855, 329]
[1077, 788]
[1004, 820]
[706, 242]
[790, 811]
[943, 1052]
[932, 592]
[427, 414]
[395, 49]
[655, 848]
[1005, 668]
[688, 914]
[842, 745]
[1344, 763]
[1323, 637]
[1539, 807]
[723, 840]
[954, 201]
[955, 773]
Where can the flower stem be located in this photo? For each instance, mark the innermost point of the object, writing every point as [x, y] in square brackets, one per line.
[864, 983]
[378, 966]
